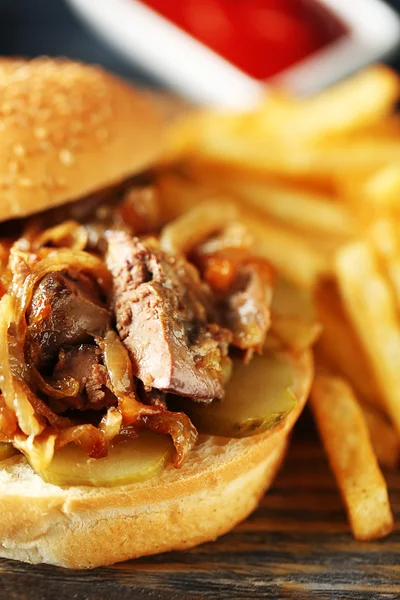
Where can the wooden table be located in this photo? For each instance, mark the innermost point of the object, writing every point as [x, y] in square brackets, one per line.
[296, 545]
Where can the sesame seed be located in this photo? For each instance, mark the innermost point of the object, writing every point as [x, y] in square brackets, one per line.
[60, 182]
[19, 150]
[13, 167]
[5, 181]
[25, 182]
[102, 134]
[40, 133]
[76, 126]
[66, 157]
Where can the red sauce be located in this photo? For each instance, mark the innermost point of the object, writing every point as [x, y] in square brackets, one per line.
[260, 37]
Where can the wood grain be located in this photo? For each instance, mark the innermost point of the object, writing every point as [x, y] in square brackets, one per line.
[296, 545]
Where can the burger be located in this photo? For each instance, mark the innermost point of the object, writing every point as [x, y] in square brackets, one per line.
[145, 404]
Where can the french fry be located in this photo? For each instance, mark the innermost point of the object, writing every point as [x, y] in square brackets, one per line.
[384, 236]
[256, 154]
[353, 104]
[339, 345]
[184, 134]
[308, 177]
[291, 205]
[382, 189]
[287, 251]
[384, 437]
[369, 302]
[345, 436]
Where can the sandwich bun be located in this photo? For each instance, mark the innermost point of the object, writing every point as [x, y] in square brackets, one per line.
[68, 129]
[82, 527]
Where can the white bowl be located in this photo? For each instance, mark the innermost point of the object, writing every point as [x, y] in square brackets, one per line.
[201, 75]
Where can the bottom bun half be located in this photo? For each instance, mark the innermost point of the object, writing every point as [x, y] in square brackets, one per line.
[84, 527]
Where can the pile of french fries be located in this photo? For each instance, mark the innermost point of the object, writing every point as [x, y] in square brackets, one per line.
[317, 181]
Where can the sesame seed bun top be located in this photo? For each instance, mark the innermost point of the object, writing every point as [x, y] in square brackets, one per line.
[68, 129]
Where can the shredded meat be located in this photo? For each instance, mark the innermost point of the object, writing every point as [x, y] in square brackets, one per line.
[66, 310]
[245, 309]
[151, 396]
[131, 206]
[83, 364]
[163, 320]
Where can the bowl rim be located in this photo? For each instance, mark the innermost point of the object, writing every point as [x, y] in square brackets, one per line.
[192, 69]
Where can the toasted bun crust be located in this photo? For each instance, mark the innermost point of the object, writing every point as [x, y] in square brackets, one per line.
[81, 527]
[68, 129]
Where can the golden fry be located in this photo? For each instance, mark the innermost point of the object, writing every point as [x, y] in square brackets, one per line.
[369, 302]
[256, 154]
[384, 237]
[292, 206]
[384, 437]
[353, 104]
[345, 436]
[287, 251]
[382, 189]
[340, 346]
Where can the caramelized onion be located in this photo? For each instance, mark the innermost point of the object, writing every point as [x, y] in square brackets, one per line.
[42, 409]
[63, 260]
[118, 364]
[14, 395]
[15, 378]
[219, 273]
[39, 451]
[6, 377]
[88, 437]
[25, 418]
[179, 427]
[234, 238]
[28, 420]
[111, 423]
[67, 387]
[67, 234]
[8, 421]
[190, 229]
[156, 418]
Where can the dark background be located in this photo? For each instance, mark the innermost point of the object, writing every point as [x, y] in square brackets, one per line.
[33, 27]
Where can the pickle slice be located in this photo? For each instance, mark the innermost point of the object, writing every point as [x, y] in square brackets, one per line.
[258, 397]
[7, 450]
[128, 461]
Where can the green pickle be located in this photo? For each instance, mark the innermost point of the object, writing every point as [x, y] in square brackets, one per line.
[128, 461]
[258, 397]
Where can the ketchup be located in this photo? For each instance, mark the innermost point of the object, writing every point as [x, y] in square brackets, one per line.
[260, 37]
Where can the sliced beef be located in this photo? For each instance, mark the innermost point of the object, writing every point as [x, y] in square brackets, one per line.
[83, 363]
[245, 309]
[163, 320]
[66, 310]
[151, 396]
